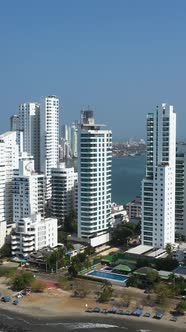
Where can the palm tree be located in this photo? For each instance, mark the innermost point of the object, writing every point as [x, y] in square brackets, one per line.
[168, 249]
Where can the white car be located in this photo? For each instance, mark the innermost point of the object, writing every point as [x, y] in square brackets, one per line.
[19, 295]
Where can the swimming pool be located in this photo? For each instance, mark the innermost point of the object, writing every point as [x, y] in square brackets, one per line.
[107, 275]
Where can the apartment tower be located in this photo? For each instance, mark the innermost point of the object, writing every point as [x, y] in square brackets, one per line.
[29, 126]
[180, 207]
[49, 138]
[158, 186]
[94, 179]
[64, 195]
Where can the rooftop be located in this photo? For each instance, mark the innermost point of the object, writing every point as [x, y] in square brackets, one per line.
[156, 253]
[123, 268]
[139, 250]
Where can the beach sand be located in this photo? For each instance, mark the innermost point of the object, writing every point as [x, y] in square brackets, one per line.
[59, 303]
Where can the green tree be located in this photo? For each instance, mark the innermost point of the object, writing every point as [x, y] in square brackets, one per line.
[89, 250]
[72, 270]
[5, 250]
[62, 236]
[106, 292]
[121, 234]
[181, 307]
[164, 292]
[22, 280]
[152, 278]
[55, 259]
[70, 223]
[169, 249]
[179, 285]
[142, 263]
[167, 264]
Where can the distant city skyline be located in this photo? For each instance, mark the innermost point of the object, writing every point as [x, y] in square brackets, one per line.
[120, 57]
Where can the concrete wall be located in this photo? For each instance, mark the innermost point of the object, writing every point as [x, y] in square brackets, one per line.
[97, 241]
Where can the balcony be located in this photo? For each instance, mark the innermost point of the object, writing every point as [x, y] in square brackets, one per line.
[28, 244]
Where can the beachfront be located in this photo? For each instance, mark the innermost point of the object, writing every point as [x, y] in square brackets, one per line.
[56, 302]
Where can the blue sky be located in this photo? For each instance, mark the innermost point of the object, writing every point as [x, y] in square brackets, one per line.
[121, 57]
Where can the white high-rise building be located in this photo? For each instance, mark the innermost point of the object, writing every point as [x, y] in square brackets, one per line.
[64, 195]
[180, 208]
[29, 125]
[158, 187]
[94, 179]
[32, 234]
[49, 138]
[11, 159]
[9, 152]
[28, 190]
[2, 193]
[74, 140]
[69, 140]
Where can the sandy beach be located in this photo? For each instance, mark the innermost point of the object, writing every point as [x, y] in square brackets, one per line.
[58, 303]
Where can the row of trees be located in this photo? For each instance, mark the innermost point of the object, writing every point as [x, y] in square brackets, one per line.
[60, 258]
[165, 290]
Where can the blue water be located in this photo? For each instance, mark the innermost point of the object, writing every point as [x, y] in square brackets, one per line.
[127, 174]
[107, 269]
[106, 275]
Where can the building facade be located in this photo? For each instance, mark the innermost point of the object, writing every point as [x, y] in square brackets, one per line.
[180, 207]
[74, 139]
[69, 140]
[28, 191]
[2, 191]
[14, 122]
[158, 187]
[49, 138]
[64, 195]
[29, 125]
[32, 234]
[134, 208]
[11, 162]
[94, 178]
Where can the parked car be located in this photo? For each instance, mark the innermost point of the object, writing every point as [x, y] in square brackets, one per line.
[147, 314]
[96, 309]
[89, 310]
[104, 311]
[174, 319]
[119, 312]
[6, 299]
[128, 313]
[158, 315]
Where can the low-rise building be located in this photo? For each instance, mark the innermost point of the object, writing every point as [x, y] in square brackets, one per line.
[118, 215]
[134, 208]
[32, 234]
